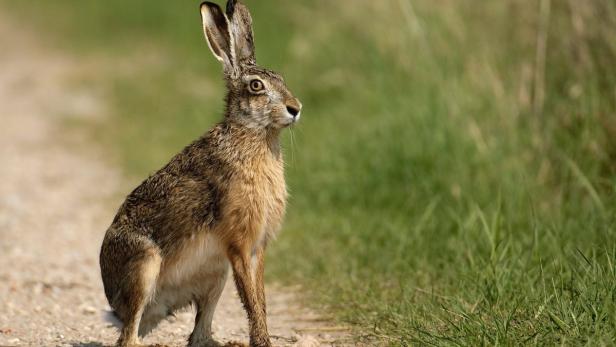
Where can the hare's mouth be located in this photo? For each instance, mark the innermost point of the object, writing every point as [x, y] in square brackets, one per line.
[290, 120]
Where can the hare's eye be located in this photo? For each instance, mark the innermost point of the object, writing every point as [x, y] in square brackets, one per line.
[256, 85]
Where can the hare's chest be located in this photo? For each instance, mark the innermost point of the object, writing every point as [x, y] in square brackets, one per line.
[257, 202]
[275, 203]
[269, 199]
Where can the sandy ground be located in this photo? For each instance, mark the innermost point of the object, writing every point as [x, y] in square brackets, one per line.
[57, 197]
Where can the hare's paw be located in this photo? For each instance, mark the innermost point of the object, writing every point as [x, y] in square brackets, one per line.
[205, 343]
[131, 344]
[235, 344]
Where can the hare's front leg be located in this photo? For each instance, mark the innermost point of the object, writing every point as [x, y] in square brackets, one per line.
[206, 305]
[259, 280]
[250, 295]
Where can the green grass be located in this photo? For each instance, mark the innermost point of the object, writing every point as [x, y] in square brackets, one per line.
[435, 198]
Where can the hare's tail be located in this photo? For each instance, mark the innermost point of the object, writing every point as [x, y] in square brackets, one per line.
[112, 318]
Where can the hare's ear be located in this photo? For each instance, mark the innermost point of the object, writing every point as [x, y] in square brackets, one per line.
[216, 30]
[240, 28]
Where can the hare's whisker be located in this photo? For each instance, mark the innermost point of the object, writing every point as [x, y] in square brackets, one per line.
[292, 146]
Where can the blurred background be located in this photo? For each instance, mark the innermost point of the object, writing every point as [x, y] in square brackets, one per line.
[452, 179]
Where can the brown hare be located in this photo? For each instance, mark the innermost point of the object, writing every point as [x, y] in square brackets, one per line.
[214, 206]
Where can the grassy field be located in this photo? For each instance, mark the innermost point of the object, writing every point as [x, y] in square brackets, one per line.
[453, 178]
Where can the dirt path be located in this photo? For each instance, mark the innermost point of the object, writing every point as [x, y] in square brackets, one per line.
[57, 196]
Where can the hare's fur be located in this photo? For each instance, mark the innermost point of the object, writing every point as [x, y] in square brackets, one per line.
[212, 208]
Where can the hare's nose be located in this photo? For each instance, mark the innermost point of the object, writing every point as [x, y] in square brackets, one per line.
[293, 110]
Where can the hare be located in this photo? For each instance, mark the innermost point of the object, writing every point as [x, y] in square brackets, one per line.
[213, 207]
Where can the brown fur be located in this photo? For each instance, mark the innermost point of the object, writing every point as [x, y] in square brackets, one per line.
[214, 206]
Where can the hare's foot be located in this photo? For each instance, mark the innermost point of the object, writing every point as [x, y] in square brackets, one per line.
[128, 340]
[125, 343]
[235, 344]
[210, 342]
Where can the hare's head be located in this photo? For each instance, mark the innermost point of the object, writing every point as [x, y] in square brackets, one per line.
[257, 97]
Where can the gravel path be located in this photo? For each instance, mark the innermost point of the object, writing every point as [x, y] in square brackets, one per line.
[57, 197]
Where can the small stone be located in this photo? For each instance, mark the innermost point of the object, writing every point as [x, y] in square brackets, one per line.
[89, 310]
[307, 341]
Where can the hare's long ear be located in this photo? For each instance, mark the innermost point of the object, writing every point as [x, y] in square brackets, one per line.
[240, 28]
[216, 30]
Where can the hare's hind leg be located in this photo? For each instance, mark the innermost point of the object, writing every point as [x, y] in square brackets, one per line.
[130, 265]
[206, 305]
[137, 291]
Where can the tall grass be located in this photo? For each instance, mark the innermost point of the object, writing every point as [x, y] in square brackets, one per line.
[453, 178]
